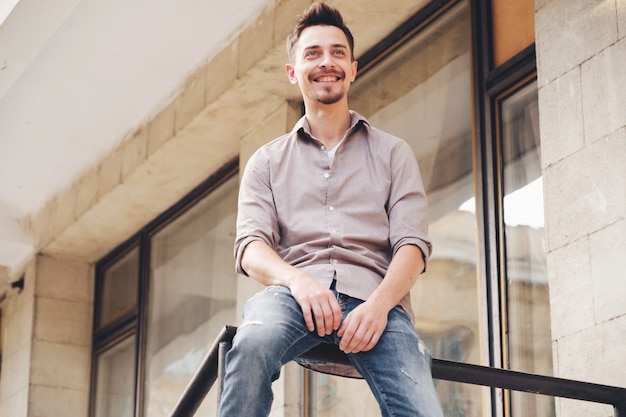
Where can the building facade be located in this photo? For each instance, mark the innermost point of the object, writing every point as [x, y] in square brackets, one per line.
[514, 111]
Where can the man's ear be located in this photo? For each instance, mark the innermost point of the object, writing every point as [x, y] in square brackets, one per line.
[289, 69]
[355, 64]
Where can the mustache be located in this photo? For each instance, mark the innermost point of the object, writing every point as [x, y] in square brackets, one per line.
[334, 73]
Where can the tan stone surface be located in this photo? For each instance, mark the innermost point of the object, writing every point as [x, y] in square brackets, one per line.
[570, 280]
[592, 356]
[60, 365]
[580, 202]
[604, 92]
[64, 280]
[50, 401]
[560, 107]
[571, 32]
[608, 272]
[64, 322]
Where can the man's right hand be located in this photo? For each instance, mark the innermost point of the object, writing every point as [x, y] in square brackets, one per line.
[319, 305]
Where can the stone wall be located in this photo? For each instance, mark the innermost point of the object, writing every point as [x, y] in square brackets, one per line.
[47, 349]
[581, 52]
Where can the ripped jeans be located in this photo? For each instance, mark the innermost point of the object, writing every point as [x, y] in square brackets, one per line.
[273, 333]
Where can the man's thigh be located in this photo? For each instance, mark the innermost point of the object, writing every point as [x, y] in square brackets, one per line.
[273, 321]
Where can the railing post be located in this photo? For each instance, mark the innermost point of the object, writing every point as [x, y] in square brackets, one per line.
[223, 348]
[620, 409]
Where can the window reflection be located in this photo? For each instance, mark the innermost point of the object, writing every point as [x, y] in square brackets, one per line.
[192, 295]
[119, 289]
[528, 305]
[115, 385]
[422, 94]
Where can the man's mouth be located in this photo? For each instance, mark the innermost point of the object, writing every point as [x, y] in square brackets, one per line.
[327, 78]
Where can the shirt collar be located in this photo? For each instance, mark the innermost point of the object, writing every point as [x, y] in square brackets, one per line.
[302, 126]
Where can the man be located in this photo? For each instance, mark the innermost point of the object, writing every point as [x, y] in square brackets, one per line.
[332, 219]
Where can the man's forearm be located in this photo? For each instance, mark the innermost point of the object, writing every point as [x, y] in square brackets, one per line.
[404, 269]
[264, 265]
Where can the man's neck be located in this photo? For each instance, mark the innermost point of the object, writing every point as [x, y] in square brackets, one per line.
[329, 123]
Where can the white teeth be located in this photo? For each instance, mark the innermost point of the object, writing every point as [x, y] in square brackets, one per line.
[326, 79]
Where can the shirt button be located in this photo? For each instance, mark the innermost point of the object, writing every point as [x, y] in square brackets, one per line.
[323, 147]
[331, 208]
[326, 175]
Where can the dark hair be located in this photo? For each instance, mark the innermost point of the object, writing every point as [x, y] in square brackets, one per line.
[319, 13]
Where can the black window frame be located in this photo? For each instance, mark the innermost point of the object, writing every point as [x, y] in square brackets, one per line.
[135, 323]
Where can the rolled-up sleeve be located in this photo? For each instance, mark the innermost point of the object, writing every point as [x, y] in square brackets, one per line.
[407, 205]
[256, 216]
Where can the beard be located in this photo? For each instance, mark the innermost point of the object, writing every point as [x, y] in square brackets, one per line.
[330, 97]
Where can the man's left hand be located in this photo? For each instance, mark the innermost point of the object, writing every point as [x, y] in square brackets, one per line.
[362, 328]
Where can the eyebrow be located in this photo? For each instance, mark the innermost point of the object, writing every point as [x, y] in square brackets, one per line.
[335, 45]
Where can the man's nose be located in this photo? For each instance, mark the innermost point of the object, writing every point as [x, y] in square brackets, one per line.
[327, 60]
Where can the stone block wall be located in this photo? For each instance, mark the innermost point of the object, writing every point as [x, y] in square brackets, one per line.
[581, 53]
[47, 347]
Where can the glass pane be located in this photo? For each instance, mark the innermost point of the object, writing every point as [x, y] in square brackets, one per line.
[119, 288]
[331, 396]
[191, 297]
[529, 341]
[1, 337]
[115, 384]
[422, 93]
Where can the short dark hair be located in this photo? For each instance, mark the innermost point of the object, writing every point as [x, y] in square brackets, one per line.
[318, 14]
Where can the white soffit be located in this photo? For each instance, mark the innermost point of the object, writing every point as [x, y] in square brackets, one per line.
[79, 75]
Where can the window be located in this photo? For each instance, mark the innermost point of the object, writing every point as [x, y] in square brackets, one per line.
[115, 341]
[527, 314]
[1, 335]
[422, 93]
[161, 300]
[115, 384]
[191, 296]
[484, 298]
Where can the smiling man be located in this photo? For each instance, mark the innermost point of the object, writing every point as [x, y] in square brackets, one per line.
[333, 220]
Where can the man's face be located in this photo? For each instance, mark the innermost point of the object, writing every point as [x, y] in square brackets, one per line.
[322, 67]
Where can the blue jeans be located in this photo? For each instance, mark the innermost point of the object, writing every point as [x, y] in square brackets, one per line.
[397, 369]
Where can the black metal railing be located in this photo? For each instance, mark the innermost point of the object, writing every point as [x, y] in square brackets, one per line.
[211, 370]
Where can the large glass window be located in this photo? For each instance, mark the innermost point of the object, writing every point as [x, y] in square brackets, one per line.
[1, 336]
[118, 289]
[191, 296]
[527, 298]
[422, 93]
[161, 301]
[115, 342]
[115, 384]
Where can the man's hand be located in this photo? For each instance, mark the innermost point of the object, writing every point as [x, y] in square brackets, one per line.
[362, 328]
[364, 325]
[319, 305]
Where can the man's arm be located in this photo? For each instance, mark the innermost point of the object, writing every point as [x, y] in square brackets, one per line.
[362, 328]
[319, 305]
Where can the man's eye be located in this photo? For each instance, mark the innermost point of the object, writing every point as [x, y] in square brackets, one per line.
[340, 52]
[310, 53]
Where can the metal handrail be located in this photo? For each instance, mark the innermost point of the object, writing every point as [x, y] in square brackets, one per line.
[209, 371]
